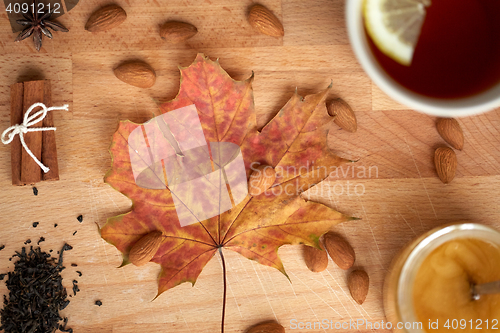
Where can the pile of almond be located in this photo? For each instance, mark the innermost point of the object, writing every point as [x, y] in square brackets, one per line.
[344, 256]
[140, 74]
[445, 158]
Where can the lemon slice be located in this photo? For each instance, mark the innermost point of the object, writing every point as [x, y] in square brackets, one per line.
[394, 26]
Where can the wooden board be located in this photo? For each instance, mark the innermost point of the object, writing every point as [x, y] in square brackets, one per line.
[401, 197]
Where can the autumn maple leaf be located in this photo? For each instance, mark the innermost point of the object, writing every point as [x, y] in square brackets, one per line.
[293, 143]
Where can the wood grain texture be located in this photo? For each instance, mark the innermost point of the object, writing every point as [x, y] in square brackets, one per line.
[393, 187]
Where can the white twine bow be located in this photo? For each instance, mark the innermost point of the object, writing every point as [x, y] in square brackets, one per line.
[21, 129]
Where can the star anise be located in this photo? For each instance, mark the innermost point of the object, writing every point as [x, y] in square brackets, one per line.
[37, 25]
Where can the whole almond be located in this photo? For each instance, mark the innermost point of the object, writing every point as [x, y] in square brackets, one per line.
[344, 116]
[451, 132]
[265, 21]
[145, 248]
[266, 327]
[261, 179]
[446, 163]
[358, 283]
[339, 250]
[176, 32]
[316, 259]
[106, 18]
[136, 73]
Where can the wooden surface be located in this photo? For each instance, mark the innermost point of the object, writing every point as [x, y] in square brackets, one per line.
[401, 198]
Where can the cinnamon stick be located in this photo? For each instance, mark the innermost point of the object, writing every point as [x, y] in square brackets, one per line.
[49, 152]
[16, 117]
[42, 144]
[30, 171]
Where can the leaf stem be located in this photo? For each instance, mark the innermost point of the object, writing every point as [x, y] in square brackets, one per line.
[224, 297]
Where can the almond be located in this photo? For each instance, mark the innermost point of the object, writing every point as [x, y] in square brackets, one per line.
[265, 21]
[451, 132]
[136, 73]
[266, 327]
[446, 163]
[358, 283]
[339, 250]
[261, 179]
[145, 248]
[106, 18]
[344, 116]
[316, 259]
[177, 32]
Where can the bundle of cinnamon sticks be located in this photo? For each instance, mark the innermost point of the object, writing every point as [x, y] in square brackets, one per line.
[42, 144]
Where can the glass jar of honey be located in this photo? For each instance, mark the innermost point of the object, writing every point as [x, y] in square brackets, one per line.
[428, 288]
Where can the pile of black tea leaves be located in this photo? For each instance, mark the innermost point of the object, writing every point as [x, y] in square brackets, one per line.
[36, 293]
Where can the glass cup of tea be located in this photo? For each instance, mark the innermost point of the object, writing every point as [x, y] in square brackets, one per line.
[455, 69]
